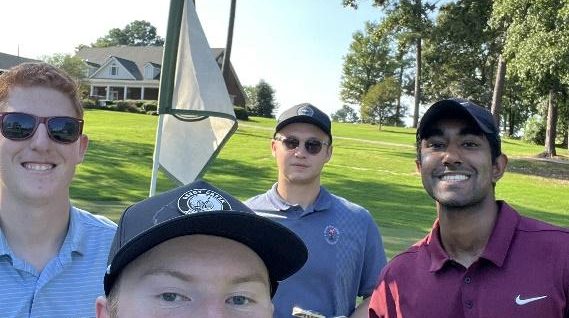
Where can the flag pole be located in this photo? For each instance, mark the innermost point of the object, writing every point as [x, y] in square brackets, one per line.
[167, 78]
[229, 43]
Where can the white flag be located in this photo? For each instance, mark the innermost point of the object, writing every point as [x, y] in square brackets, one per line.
[201, 118]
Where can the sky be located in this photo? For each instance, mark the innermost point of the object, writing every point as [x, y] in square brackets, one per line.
[297, 46]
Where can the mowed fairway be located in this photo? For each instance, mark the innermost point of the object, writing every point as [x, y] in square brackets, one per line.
[373, 168]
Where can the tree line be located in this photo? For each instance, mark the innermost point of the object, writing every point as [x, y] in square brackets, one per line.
[509, 55]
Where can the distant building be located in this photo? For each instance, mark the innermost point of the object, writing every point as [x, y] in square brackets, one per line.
[133, 72]
[8, 61]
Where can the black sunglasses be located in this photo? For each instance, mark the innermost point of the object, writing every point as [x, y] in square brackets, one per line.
[21, 126]
[312, 146]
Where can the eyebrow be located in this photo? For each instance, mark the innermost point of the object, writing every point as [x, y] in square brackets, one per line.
[168, 272]
[249, 278]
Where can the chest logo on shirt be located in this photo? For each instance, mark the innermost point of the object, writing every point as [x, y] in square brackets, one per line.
[331, 234]
[202, 200]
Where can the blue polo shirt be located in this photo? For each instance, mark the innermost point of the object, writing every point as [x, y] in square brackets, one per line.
[345, 253]
[69, 283]
[522, 273]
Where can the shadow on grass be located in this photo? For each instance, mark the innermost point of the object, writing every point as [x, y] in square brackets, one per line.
[117, 172]
[396, 131]
[240, 178]
[540, 168]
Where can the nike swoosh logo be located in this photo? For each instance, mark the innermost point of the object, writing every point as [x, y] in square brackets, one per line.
[520, 301]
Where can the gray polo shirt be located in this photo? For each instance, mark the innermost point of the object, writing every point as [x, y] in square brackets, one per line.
[345, 253]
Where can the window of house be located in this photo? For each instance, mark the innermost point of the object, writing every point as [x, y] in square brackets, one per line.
[114, 70]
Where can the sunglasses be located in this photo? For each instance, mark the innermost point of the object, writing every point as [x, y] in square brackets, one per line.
[22, 126]
[312, 146]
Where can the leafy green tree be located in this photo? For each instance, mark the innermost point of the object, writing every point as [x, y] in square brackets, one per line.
[73, 65]
[380, 102]
[410, 20]
[265, 104]
[346, 114]
[536, 49]
[368, 61]
[460, 54]
[250, 97]
[137, 33]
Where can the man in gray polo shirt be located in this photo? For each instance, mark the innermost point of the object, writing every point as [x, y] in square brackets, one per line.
[482, 258]
[345, 249]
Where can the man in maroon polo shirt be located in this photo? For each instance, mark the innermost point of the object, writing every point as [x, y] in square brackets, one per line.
[482, 258]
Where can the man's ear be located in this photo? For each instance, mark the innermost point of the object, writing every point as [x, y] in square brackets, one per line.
[418, 166]
[274, 147]
[102, 307]
[83, 145]
[499, 167]
[329, 152]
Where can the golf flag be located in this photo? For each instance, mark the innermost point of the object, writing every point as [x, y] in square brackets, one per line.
[196, 113]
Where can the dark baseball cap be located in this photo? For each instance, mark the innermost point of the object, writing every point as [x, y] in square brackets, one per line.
[305, 113]
[200, 208]
[462, 108]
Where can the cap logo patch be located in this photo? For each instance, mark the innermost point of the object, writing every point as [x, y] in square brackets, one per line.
[331, 234]
[202, 200]
[306, 111]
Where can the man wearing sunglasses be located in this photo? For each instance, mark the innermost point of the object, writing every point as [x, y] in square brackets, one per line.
[345, 248]
[52, 255]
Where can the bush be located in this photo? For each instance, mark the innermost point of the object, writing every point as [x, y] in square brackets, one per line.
[241, 113]
[89, 103]
[150, 105]
[534, 130]
[128, 106]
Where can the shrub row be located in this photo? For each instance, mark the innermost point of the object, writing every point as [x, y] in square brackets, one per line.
[141, 107]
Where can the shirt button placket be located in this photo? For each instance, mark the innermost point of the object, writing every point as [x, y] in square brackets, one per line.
[468, 296]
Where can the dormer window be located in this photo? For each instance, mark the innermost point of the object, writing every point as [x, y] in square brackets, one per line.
[114, 69]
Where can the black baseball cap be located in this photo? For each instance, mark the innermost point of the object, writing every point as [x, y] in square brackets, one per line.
[305, 113]
[200, 208]
[462, 108]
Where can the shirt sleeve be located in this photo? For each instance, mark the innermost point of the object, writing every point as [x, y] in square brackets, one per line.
[374, 259]
[383, 303]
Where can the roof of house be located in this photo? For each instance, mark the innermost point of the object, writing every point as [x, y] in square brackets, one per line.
[134, 58]
[7, 61]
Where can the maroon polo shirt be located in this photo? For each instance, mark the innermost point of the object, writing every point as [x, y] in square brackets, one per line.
[523, 272]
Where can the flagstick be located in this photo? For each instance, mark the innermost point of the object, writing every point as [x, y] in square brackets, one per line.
[166, 80]
[156, 156]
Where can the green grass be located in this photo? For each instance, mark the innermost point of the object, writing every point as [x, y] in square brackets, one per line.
[373, 168]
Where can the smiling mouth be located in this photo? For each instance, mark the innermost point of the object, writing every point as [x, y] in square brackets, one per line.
[454, 177]
[38, 166]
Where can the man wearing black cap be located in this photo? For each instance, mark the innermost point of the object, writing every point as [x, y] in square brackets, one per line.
[196, 251]
[482, 258]
[345, 249]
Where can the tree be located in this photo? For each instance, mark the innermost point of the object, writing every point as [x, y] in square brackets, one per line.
[73, 65]
[409, 19]
[346, 114]
[368, 61]
[536, 49]
[250, 97]
[380, 102]
[137, 33]
[265, 104]
[460, 54]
